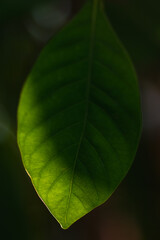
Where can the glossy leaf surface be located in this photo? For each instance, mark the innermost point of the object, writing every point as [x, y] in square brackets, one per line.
[79, 117]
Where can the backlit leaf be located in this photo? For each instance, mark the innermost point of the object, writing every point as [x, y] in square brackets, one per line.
[79, 117]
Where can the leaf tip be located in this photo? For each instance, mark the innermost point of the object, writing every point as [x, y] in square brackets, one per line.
[65, 226]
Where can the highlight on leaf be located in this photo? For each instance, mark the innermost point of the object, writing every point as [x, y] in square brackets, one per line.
[79, 117]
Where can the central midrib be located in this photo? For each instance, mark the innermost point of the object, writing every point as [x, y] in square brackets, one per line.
[91, 52]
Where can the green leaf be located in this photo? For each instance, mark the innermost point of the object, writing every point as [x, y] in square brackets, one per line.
[79, 117]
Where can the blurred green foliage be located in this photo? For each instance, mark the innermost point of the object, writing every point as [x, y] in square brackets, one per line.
[16, 8]
[137, 23]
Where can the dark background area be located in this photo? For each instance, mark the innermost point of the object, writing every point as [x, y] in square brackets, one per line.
[133, 211]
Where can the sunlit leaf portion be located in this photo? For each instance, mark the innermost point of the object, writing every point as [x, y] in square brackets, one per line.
[79, 117]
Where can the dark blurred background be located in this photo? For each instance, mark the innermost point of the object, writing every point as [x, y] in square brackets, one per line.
[133, 211]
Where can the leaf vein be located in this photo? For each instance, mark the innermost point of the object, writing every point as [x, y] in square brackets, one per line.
[97, 153]
[52, 116]
[54, 156]
[53, 135]
[93, 23]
